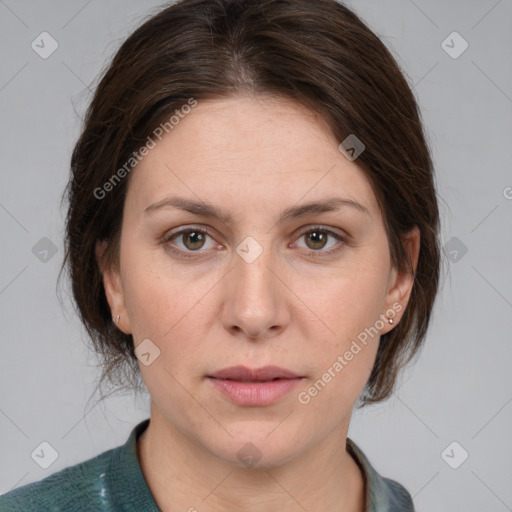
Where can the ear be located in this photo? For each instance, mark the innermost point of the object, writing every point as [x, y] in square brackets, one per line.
[401, 283]
[113, 289]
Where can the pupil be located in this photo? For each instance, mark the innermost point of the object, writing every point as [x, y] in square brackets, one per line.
[319, 235]
[196, 238]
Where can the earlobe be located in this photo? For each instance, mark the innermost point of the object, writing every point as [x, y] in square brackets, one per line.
[113, 289]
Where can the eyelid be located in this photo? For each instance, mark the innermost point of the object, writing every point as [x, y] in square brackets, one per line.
[328, 229]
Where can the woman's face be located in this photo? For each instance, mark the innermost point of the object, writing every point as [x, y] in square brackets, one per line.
[269, 284]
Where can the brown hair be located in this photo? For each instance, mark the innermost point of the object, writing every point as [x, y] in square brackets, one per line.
[320, 54]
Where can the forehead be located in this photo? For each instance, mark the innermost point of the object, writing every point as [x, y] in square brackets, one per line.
[252, 151]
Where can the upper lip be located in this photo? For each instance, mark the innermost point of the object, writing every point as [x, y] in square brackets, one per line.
[242, 373]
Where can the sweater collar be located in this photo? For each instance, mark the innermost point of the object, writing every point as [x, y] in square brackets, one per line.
[130, 490]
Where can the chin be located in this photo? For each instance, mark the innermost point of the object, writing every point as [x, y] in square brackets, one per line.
[257, 445]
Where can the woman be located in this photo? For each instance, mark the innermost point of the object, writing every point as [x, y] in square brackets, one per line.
[253, 230]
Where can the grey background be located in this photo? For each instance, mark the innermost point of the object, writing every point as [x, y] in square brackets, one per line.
[458, 390]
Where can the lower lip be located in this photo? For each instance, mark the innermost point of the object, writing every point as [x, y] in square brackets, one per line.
[254, 393]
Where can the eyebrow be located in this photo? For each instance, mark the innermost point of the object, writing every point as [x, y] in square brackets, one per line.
[204, 209]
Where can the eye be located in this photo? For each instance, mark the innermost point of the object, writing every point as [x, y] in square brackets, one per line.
[317, 239]
[192, 240]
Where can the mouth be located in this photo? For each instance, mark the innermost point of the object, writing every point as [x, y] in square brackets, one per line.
[254, 387]
[244, 374]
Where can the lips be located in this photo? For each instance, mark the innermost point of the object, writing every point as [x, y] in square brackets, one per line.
[244, 374]
[258, 387]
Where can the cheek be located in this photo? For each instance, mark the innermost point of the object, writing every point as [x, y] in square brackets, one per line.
[348, 301]
[170, 308]
[158, 295]
[148, 301]
[348, 306]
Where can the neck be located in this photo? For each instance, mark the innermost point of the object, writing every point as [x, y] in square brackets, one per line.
[184, 475]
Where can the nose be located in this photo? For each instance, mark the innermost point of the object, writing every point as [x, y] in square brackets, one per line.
[256, 298]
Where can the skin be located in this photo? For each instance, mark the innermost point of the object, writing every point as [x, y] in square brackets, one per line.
[253, 157]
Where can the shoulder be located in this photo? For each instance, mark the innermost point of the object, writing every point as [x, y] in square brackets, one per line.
[79, 488]
[397, 496]
[109, 482]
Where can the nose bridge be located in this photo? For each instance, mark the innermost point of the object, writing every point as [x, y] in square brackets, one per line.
[255, 303]
[253, 257]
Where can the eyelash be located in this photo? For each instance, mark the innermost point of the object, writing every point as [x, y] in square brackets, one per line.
[204, 231]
